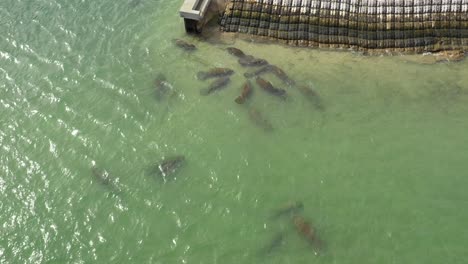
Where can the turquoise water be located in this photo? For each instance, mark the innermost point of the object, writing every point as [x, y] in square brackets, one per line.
[382, 172]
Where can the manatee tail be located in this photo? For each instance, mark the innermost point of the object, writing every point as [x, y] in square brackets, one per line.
[249, 74]
[239, 100]
[202, 75]
[205, 91]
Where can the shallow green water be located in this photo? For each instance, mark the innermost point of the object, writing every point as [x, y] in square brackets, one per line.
[382, 172]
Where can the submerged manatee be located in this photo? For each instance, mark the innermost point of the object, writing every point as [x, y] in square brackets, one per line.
[246, 92]
[161, 86]
[160, 79]
[268, 87]
[312, 96]
[308, 232]
[215, 72]
[216, 85]
[251, 61]
[168, 166]
[278, 72]
[103, 177]
[258, 119]
[134, 3]
[274, 244]
[288, 209]
[184, 45]
[236, 52]
[262, 70]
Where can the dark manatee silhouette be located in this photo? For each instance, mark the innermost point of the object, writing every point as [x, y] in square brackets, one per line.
[268, 87]
[258, 119]
[235, 52]
[262, 70]
[104, 178]
[251, 61]
[160, 79]
[213, 73]
[246, 92]
[134, 3]
[168, 167]
[312, 96]
[288, 209]
[278, 72]
[275, 243]
[216, 85]
[308, 232]
[184, 45]
[161, 87]
[101, 176]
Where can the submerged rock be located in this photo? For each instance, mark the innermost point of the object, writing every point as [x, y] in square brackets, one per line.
[450, 55]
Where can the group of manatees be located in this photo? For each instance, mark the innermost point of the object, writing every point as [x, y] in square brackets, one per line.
[221, 79]
[165, 170]
[293, 212]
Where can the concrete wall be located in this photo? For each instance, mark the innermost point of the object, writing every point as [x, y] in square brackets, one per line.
[215, 10]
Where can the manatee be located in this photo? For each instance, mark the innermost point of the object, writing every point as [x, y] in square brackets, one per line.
[246, 92]
[268, 87]
[168, 166]
[103, 177]
[288, 209]
[215, 72]
[274, 244]
[278, 72]
[184, 45]
[236, 52]
[216, 85]
[134, 3]
[160, 79]
[308, 232]
[257, 118]
[161, 86]
[251, 61]
[312, 96]
[262, 70]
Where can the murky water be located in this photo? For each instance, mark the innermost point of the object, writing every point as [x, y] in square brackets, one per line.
[381, 171]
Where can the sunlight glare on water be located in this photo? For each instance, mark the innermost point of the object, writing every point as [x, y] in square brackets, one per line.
[380, 167]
